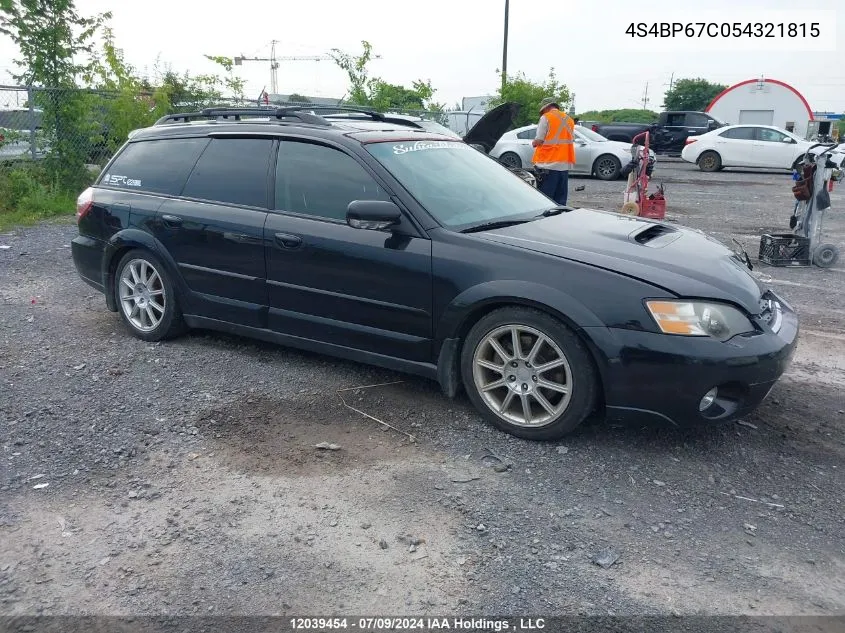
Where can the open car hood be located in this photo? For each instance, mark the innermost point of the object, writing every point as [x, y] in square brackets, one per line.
[489, 129]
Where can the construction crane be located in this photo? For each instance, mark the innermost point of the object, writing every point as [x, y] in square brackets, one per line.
[274, 63]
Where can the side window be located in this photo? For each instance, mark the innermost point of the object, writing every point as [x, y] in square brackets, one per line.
[771, 136]
[697, 120]
[739, 133]
[321, 181]
[527, 134]
[232, 170]
[675, 119]
[160, 166]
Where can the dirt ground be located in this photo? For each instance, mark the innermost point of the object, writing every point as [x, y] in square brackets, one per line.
[183, 478]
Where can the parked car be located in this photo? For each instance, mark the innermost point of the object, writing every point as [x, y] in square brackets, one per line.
[594, 154]
[763, 146]
[409, 250]
[483, 135]
[667, 135]
[15, 134]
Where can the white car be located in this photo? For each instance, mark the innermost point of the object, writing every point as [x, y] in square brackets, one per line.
[594, 154]
[763, 146]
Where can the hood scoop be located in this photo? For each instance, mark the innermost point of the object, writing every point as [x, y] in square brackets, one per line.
[656, 235]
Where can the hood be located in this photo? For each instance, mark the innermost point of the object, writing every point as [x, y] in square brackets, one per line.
[683, 261]
[489, 129]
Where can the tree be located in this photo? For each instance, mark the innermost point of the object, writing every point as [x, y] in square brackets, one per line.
[527, 93]
[377, 93]
[619, 116]
[691, 94]
[55, 43]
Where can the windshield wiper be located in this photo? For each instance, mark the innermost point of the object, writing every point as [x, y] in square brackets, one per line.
[498, 224]
[554, 211]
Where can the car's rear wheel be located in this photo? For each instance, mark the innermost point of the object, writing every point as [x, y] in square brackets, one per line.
[607, 167]
[510, 159]
[528, 374]
[710, 161]
[146, 297]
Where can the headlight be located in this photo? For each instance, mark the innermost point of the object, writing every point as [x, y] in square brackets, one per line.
[699, 318]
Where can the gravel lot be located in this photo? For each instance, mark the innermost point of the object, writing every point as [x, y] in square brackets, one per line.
[182, 478]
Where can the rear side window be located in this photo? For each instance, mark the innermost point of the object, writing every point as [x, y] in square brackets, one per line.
[697, 120]
[321, 181]
[527, 134]
[739, 133]
[232, 170]
[160, 166]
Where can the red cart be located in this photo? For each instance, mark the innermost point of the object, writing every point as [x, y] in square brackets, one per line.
[637, 199]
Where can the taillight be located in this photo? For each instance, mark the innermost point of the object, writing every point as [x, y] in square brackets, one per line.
[690, 140]
[84, 203]
[595, 128]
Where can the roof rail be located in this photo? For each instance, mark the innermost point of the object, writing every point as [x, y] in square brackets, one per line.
[377, 116]
[294, 112]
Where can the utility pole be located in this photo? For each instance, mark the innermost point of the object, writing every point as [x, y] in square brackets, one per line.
[505, 47]
[671, 81]
[645, 97]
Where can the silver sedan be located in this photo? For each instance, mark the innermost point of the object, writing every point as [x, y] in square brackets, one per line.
[594, 154]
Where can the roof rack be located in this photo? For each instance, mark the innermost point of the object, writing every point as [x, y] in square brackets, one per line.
[293, 112]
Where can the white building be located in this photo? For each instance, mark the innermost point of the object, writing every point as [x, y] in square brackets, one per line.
[763, 102]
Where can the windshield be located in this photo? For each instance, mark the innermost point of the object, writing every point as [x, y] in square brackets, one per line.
[457, 184]
[588, 135]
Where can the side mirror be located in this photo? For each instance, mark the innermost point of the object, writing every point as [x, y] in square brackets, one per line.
[786, 139]
[372, 215]
[712, 125]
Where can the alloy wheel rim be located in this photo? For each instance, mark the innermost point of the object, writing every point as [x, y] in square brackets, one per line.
[142, 295]
[511, 160]
[606, 167]
[522, 376]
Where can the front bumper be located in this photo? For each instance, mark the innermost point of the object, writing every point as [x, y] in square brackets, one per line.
[660, 378]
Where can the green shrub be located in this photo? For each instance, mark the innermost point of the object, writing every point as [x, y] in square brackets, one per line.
[28, 194]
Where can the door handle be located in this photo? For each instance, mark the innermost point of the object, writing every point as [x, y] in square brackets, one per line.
[171, 220]
[286, 240]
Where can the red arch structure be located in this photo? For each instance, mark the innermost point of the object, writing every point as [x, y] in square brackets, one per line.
[771, 81]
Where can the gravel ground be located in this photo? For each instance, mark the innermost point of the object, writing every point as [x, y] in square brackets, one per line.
[182, 478]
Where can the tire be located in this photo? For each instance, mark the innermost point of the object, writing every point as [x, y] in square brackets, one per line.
[155, 315]
[607, 167]
[825, 255]
[510, 159]
[710, 161]
[576, 373]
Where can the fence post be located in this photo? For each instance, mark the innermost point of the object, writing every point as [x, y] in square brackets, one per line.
[30, 94]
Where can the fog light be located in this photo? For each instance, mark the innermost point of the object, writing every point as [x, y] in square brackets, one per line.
[708, 399]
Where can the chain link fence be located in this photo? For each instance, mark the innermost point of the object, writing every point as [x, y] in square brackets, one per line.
[54, 141]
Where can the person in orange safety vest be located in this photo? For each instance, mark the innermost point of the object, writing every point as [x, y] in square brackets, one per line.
[554, 150]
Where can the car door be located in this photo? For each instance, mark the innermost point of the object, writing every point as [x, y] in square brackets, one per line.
[215, 230]
[736, 146]
[670, 137]
[584, 153]
[524, 147]
[366, 290]
[774, 149]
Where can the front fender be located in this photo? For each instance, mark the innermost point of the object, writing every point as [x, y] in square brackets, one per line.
[505, 291]
[128, 239]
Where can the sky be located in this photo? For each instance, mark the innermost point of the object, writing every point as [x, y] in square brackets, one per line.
[458, 45]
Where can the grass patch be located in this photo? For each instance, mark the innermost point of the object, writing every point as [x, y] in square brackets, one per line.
[29, 195]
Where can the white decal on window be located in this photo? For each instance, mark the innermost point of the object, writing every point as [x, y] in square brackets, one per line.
[403, 148]
[114, 179]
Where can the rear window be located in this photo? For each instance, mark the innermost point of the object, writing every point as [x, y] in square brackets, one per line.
[160, 166]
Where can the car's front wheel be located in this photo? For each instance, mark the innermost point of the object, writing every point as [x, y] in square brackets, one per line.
[146, 297]
[528, 373]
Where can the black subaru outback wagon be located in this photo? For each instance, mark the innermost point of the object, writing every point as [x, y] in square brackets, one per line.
[395, 246]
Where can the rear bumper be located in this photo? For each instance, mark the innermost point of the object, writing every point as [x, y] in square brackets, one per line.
[658, 378]
[88, 258]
